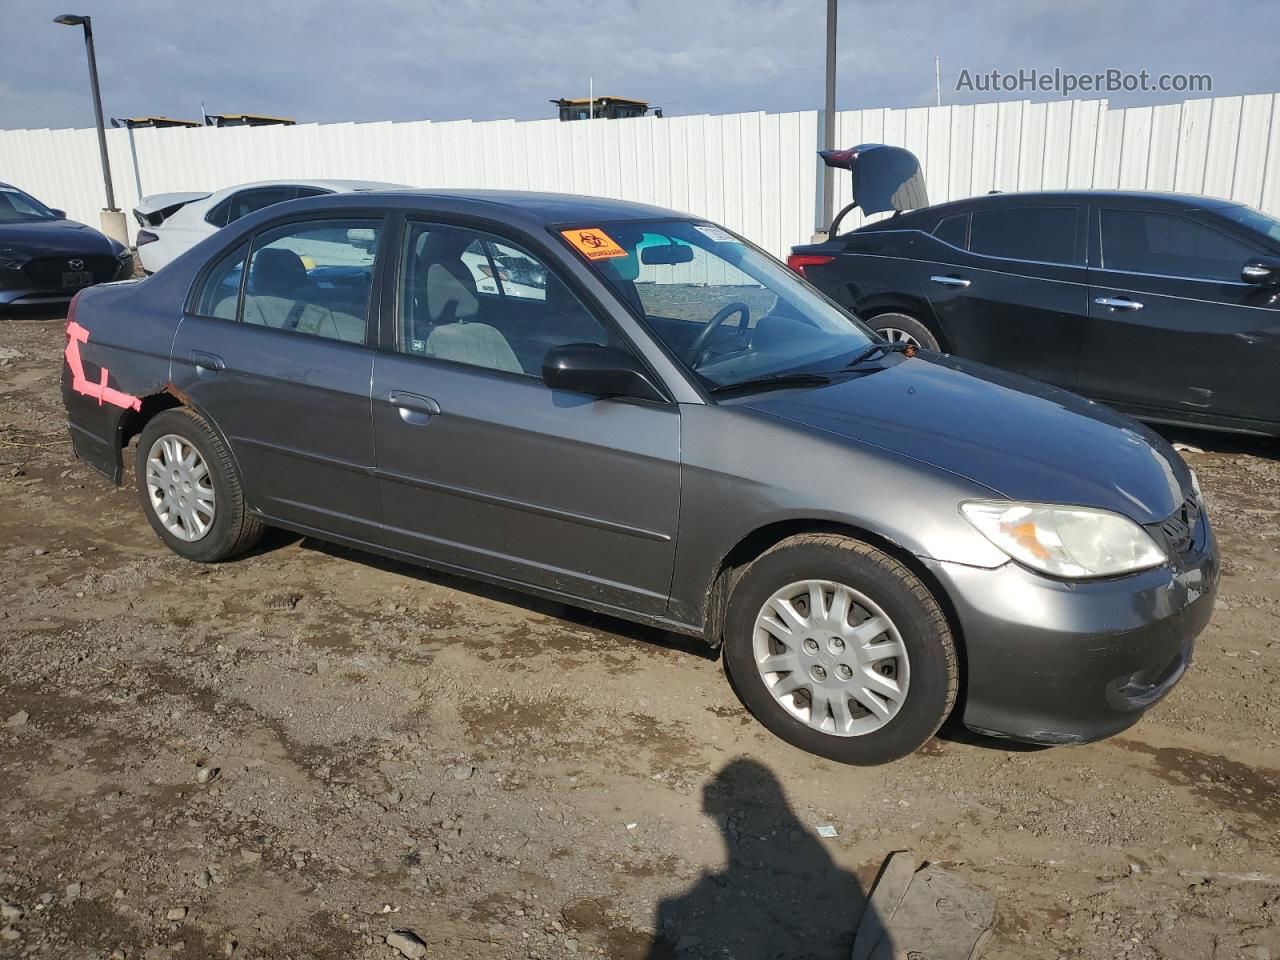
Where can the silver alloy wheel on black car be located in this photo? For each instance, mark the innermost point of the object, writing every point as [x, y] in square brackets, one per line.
[831, 657]
[180, 488]
[894, 335]
[903, 328]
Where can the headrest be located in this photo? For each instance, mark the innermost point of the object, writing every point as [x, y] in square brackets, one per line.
[276, 271]
[443, 244]
[448, 298]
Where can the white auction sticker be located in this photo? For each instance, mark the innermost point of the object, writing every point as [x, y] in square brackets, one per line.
[716, 234]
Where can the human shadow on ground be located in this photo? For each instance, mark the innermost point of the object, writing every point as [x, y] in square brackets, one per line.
[780, 894]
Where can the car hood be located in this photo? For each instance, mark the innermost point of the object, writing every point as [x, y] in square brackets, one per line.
[54, 237]
[1021, 438]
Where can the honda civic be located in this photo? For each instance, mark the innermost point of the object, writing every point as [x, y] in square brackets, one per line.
[638, 412]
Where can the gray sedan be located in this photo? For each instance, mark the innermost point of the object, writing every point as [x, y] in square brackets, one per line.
[636, 411]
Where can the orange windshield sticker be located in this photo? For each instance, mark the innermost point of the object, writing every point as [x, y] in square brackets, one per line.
[593, 243]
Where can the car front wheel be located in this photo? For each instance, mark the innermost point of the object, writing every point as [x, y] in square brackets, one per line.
[190, 489]
[840, 650]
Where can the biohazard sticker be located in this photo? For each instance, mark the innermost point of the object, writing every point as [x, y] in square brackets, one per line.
[593, 243]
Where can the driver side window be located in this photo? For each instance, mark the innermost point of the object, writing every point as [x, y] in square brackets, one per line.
[469, 297]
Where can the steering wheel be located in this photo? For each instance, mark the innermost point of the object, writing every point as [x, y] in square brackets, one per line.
[699, 345]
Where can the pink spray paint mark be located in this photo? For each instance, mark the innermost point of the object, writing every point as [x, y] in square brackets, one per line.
[81, 384]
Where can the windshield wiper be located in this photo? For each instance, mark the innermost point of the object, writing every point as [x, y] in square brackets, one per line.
[796, 379]
[900, 346]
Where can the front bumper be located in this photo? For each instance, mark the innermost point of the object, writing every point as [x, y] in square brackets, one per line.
[1051, 661]
[19, 288]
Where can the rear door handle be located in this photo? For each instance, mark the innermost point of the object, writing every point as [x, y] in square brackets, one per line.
[950, 281]
[414, 408]
[1118, 303]
[207, 364]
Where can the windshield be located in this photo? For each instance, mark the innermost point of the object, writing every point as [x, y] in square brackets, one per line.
[1253, 220]
[730, 311]
[18, 207]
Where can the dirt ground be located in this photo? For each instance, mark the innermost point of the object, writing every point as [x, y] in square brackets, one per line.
[297, 753]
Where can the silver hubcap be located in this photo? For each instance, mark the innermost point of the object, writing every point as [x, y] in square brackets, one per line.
[831, 657]
[894, 335]
[180, 488]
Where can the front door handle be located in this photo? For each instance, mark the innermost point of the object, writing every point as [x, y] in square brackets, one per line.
[414, 408]
[207, 364]
[950, 280]
[1118, 303]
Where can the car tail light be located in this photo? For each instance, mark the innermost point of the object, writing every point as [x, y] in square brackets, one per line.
[71, 307]
[798, 261]
[146, 236]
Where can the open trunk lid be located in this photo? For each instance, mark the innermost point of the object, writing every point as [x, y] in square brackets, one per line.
[884, 177]
[156, 209]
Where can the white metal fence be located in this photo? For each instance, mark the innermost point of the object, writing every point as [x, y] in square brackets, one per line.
[755, 172]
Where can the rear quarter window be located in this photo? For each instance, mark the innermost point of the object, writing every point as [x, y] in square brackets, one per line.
[954, 230]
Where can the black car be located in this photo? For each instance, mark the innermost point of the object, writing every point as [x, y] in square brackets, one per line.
[46, 258]
[1163, 305]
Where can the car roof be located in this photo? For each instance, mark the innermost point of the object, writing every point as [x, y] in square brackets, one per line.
[1190, 201]
[549, 208]
[340, 186]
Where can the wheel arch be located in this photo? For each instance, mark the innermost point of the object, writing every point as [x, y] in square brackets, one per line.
[170, 398]
[764, 538]
[918, 310]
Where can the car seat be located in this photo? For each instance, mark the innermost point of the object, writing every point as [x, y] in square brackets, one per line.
[447, 290]
[276, 278]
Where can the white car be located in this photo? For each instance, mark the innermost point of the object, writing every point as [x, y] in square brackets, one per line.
[172, 223]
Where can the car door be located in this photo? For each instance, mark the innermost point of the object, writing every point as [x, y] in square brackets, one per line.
[1173, 328]
[1008, 286]
[483, 467]
[277, 356]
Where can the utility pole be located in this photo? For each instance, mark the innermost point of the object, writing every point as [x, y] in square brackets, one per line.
[829, 125]
[937, 80]
[75, 20]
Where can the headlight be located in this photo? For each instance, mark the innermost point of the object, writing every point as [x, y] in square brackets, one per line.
[1195, 484]
[1062, 541]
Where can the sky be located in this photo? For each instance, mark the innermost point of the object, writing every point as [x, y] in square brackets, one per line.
[361, 60]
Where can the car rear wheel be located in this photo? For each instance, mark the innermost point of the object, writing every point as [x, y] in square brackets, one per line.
[901, 328]
[190, 490]
[840, 650]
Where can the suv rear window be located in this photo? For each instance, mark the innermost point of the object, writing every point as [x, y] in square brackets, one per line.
[1047, 234]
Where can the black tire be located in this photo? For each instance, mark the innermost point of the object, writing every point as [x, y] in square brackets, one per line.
[926, 636]
[922, 335]
[234, 530]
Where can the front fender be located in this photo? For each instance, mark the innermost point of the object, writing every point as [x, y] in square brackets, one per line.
[744, 471]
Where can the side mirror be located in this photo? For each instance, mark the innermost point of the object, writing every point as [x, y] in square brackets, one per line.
[1264, 271]
[59, 214]
[597, 371]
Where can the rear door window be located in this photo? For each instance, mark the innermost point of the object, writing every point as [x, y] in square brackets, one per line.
[313, 278]
[247, 201]
[1045, 234]
[1141, 241]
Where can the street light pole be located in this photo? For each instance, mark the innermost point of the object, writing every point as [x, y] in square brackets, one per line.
[829, 126]
[73, 20]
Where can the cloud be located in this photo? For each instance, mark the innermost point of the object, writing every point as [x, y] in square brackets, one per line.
[485, 59]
